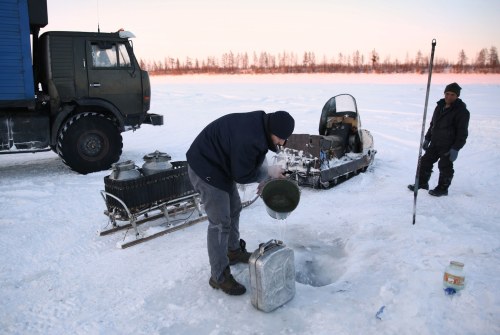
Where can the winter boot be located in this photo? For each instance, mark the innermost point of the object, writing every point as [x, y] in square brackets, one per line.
[420, 186]
[229, 285]
[442, 187]
[439, 191]
[239, 255]
[423, 181]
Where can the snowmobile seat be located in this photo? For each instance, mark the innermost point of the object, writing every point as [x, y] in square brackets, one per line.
[353, 121]
[341, 132]
[333, 146]
[346, 119]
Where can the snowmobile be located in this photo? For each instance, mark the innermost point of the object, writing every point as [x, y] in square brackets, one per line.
[341, 150]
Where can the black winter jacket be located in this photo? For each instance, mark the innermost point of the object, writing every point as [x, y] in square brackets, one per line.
[449, 127]
[232, 149]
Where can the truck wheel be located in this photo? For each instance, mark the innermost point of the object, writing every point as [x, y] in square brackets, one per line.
[89, 142]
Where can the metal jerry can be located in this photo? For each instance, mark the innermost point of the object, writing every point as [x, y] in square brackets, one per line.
[272, 275]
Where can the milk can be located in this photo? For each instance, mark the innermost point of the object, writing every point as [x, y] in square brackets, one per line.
[454, 277]
[156, 162]
[124, 170]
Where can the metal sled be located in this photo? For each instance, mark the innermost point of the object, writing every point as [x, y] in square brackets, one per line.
[167, 196]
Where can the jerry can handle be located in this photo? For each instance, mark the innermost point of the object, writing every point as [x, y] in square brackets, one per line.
[268, 245]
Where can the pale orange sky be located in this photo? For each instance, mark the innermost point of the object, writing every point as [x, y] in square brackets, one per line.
[202, 28]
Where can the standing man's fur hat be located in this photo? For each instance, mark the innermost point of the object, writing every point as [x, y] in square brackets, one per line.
[453, 87]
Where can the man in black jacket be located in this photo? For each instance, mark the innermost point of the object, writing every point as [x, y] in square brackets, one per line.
[230, 150]
[446, 135]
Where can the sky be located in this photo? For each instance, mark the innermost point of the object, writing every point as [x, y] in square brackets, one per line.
[199, 28]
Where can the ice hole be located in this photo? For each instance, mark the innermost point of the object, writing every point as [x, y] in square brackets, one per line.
[319, 265]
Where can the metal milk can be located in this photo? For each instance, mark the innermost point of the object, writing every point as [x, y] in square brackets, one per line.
[156, 162]
[124, 170]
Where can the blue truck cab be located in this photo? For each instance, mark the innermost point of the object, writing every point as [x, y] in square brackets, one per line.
[70, 92]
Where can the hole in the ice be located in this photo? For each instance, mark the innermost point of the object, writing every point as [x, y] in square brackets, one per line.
[319, 265]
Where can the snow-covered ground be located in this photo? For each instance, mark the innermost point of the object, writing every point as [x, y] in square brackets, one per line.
[57, 276]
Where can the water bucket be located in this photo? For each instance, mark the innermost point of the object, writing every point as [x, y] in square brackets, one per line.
[281, 197]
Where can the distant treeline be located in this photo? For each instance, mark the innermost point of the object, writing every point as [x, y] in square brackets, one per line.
[486, 61]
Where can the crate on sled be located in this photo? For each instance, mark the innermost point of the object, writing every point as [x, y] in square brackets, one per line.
[146, 191]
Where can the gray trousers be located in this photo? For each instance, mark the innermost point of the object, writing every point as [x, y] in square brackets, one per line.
[223, 211]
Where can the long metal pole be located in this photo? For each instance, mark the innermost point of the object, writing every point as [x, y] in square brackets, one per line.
[415, 186]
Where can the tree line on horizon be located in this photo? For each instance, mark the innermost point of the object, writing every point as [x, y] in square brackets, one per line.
[486, 61]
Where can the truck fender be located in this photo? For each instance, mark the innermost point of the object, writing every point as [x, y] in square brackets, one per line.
[68, 110]
[63, 114]
[104, 105]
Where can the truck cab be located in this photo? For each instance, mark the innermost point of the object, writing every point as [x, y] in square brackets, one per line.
[81, 91]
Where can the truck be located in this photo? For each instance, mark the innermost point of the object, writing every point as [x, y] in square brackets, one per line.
[70, 92]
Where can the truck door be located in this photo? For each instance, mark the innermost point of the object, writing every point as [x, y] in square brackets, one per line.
[113, 75]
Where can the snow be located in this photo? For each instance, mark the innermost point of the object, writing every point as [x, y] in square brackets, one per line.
[368, 269]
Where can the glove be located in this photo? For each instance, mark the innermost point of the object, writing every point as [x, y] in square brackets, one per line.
[426, 144]
[453, 154]
[275, 171]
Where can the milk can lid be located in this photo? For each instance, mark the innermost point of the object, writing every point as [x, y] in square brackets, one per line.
[126, 165]
[157, 156]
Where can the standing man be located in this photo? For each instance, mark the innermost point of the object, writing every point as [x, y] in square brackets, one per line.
[230, 150]
[446, 135]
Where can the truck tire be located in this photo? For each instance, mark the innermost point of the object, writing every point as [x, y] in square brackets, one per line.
[89, 142]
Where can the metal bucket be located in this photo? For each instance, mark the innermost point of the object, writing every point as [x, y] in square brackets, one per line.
[281, 197]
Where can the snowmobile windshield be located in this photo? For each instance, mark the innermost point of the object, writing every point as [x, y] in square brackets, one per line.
[337, 109]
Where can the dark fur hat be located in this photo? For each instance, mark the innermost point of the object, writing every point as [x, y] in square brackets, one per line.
[453, 87]
[281, 124]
